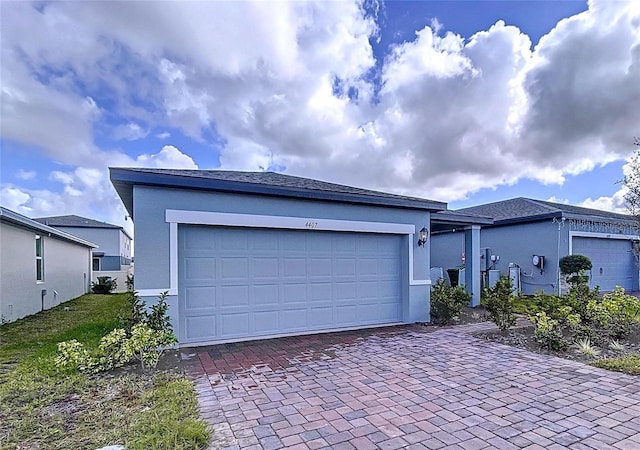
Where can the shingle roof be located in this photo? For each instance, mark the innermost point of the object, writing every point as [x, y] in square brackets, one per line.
[12, 217]
[74, 221]
[264, 183]
[522, 209]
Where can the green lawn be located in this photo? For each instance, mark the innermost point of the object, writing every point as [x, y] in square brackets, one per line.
[42, 407]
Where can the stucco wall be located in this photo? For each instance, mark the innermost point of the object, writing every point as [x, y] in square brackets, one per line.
[107, 238]
[518, 243]
[152, 233]
[67, 272]
[514, 244]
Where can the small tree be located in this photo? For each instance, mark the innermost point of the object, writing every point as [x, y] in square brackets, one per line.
[499, 302]
[447, 302]
[574, 268]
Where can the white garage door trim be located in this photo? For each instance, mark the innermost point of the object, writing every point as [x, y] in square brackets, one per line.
[175, 217]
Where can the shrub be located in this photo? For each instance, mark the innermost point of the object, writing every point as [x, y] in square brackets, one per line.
[144, 341]
[578, 298]
[104, 285]
[574, 267]
[615, 312]
[447, 302]
[547, 333]
[499, 302]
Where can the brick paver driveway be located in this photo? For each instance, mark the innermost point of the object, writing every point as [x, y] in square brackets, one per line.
[408, 387]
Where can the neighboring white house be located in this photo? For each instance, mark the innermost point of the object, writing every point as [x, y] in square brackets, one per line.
[40, 266]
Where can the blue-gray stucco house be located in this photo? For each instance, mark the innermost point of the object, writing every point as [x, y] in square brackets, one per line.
[248, 255]
[532, 235]
[114, 243]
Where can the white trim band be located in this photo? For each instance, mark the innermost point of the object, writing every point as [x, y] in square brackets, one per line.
[284, 222]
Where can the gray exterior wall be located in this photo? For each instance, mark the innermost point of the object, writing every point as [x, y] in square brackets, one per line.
[112, 242]
[516, 244]
[67, 271]
[152, 234]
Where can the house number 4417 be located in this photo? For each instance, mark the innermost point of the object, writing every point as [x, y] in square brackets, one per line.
[311, 225]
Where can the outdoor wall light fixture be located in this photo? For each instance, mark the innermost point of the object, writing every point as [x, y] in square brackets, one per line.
[422, 237]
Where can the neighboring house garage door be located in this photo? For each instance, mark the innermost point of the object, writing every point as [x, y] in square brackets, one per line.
[612, 259]
[240, 283]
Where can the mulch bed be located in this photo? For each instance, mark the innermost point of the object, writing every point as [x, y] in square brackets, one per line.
[524, 338]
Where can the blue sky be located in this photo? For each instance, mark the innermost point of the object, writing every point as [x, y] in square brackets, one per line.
[459, 101]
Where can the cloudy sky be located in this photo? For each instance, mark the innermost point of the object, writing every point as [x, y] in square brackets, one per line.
[458, 101]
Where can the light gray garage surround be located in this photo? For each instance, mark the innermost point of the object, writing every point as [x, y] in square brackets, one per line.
[245, 276]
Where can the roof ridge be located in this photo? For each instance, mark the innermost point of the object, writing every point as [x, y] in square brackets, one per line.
[543, 204]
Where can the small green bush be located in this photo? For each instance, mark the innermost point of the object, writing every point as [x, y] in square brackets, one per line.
[499, 302]
[144, 339]
[578, 298]
[547, 332]
[447, 302]
[104, 285]
[615, 312]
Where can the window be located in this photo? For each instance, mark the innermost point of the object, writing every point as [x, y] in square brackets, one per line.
[96, 264]
[39, 259]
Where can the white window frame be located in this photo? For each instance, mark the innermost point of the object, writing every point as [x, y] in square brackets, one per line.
[39, 258]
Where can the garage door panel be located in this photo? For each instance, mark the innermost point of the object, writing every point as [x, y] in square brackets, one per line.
[200, 298]
[344, 243]
[294, 293]
[612, 259]
[294, 319]
[199, 240]
[200, 268]
[265, 268]
[294, 267]
[321, 317]
[268, 282]
[320, 267]
[266, 321]
[345, 267]
[234, 268]
[346, 314]
[200, 327]
[266, 294]
[234, 324]
[234, 296]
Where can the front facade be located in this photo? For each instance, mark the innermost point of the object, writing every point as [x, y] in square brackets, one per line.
[253, 255]
[40, 266]
[531, 236]
[114, 243]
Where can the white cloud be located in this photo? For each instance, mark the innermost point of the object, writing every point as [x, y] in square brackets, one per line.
[26, 174]
[451, 117]
[168, 158]
[131, 132]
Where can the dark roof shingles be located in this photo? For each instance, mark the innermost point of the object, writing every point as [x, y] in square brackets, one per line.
[74, 221]
[521, 208]
[278, 180]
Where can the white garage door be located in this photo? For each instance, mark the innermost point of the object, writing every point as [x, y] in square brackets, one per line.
[242, 283]
[612, 259]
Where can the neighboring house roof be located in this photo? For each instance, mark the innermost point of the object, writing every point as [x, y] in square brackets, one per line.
[522, 209]
[263, 183]
[13, 218]
[77, 222]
